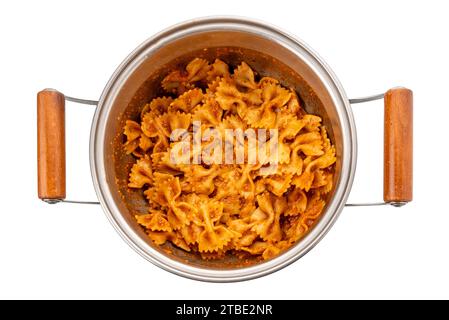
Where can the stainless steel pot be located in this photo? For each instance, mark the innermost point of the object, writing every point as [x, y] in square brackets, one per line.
[271, 51]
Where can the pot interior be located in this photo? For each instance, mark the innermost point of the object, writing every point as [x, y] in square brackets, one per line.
[265, 55]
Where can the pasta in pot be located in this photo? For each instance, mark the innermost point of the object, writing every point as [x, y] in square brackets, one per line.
[247, 207]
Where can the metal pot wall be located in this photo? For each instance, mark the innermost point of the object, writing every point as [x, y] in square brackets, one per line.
[271, 52]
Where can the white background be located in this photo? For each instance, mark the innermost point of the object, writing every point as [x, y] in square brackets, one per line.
[71, 251]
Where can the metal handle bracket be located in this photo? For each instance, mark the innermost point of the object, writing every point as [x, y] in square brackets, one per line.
[372, 204]
[54, 201]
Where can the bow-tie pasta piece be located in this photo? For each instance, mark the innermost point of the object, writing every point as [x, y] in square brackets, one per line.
[161, 237]
[197, 70]
[157, 106]
[215, 235]
[141, 174]
[187, 101]
[180, 81]
[274, 97]
[155, 221]
[209, 113]
[266, 220]
[228, 96]
[133, 134]
[218, 69]
[162, 163]
[244, 76]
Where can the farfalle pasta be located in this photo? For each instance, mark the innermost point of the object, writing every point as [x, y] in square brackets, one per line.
[205, 205]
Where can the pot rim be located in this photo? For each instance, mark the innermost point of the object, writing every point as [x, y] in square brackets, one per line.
[335, 206]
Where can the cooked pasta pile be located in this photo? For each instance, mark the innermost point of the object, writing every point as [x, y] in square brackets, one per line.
[215, 209]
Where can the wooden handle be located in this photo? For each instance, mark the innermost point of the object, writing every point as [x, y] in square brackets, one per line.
[398, 146]
[51, 144]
